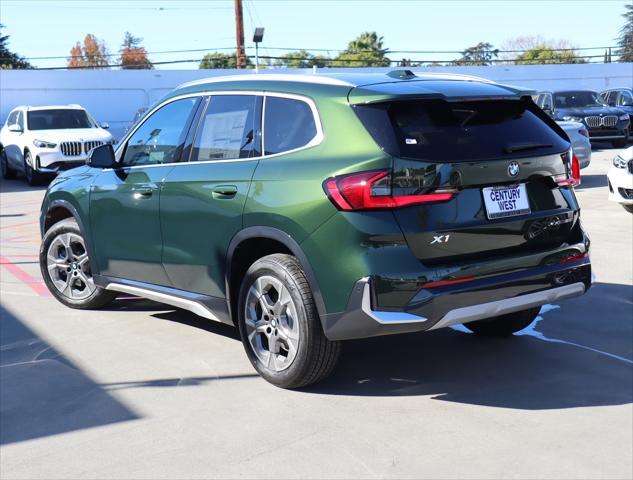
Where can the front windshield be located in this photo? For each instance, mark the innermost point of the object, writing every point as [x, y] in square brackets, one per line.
[581, 98]
[61, 118]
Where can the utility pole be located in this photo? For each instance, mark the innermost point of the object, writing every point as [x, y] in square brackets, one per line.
[239, 34]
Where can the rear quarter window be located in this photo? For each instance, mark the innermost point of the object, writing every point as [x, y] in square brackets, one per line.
[288, 124]
[443, 131]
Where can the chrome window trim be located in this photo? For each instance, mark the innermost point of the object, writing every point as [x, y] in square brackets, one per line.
[316, 140]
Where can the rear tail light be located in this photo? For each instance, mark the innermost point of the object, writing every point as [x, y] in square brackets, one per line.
[574, 257]
[372, 190]
[584, 132]
[572, 167]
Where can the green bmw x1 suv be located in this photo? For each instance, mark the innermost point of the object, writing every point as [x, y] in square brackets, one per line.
[311, 209]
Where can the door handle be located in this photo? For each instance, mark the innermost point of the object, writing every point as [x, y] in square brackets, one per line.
[224, 191]
[143, 192]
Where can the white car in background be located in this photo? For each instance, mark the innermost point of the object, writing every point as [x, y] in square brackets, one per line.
[40, 141]
[620, 179]
[579, 137]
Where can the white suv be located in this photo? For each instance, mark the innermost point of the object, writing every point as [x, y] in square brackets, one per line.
[44, 140]
[620, 179]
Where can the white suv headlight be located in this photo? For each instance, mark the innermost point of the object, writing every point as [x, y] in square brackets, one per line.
[619, 162]
[44, 144]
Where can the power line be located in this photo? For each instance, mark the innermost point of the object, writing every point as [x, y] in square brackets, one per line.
[350, 62]
[389, 52]
[109, 7]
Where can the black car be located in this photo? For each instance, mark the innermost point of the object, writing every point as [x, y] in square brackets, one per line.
[621, 98]
[587, 107]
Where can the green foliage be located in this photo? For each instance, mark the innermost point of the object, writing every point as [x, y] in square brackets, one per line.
[298, 59]
[480, 54]
[544, 54]
[366, 50]
[625, 40]
[222, 60]
[8, 59]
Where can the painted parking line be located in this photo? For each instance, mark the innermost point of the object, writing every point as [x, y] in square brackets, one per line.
[33, 283]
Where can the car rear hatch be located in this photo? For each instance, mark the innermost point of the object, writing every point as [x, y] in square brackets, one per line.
[505, 164]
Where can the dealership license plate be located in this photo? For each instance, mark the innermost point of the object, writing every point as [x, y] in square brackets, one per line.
[506, 201]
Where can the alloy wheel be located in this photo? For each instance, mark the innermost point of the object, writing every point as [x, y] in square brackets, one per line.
[69, 266]
[272, 323]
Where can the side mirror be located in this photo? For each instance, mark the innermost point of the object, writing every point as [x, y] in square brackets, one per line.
[102, 157]
[104, 125]
[15, 128]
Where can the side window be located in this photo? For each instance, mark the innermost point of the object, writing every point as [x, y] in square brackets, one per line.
[160, 138]
[547, 102]
[288, 124]
[625, 98]
[12, 118]
[228, 129]
[20, 120]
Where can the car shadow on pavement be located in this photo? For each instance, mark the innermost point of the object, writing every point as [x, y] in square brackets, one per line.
[43, 393]
[578, 355]
[592, 181]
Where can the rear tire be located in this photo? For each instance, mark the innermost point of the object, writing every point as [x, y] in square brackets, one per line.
[280, 327]
[7, 172]
[33, 177]
[66, 269]
[628, 208]
[504, 325]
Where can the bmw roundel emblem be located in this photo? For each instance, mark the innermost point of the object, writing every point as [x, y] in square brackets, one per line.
[513, 169]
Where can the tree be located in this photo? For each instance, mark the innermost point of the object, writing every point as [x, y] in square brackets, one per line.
[530, 50]
[222, 60]
[92, 54]
[542, 54]
[8, 59]
[480, 54]
[366, 50]
[625, 40]
[302, 59]
[133, 56]
[298, 59]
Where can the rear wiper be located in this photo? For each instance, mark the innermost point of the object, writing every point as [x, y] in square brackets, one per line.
[526, 146]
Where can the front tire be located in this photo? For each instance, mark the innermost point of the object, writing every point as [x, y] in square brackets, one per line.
[7, 172]
[33, 177]
[66, 270]
[280, 326]
[628, 208]
[504, 325]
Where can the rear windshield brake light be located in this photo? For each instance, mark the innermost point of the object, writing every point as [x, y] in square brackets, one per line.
[372, 191]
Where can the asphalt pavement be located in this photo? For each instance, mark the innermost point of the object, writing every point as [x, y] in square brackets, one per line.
[141, 390]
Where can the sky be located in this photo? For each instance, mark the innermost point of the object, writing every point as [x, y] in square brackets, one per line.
[49, 28]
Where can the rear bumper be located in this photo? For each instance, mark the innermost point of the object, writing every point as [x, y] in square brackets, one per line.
[438, 307]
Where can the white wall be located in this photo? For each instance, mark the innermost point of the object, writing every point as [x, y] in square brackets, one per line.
[114, 96]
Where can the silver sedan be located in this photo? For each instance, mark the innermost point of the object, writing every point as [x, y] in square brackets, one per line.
[579, 137]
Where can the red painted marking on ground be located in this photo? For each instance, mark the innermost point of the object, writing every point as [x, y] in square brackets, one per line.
[33, 283]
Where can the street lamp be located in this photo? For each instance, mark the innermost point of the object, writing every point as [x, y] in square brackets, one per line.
[258, 36]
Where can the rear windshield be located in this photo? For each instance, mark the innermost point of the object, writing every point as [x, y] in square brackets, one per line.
[58, 119]
[441, 131]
